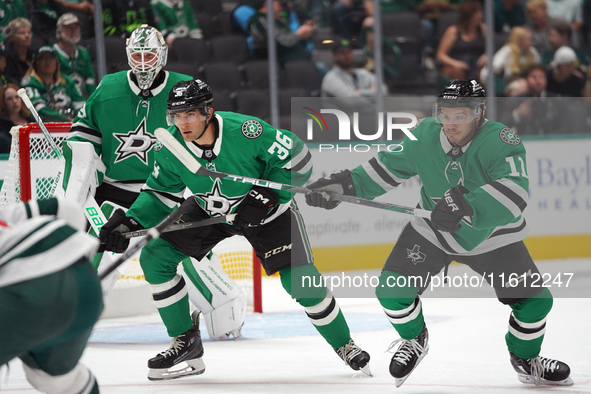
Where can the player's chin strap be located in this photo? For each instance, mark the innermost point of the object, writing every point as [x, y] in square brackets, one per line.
[210, 117]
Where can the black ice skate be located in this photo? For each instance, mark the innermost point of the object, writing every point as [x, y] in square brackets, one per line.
[408, 356]
[354, 357]
[541, 371]
[186, 348]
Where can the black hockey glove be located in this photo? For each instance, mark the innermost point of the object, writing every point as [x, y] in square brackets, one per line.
[255, 207]
[450, 210]
[339, 183]
[110, 235]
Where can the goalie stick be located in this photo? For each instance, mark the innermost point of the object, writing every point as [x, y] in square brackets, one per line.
[193, 165]
[151, 234]
[23, 95]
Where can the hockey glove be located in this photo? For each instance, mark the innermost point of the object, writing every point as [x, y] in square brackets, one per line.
[255, 207]
[110, 235]
[450, 210]
[339, 183]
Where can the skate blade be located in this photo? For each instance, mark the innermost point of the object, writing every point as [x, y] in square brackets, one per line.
[527, 379]
[366, 370]
[194, 367]
[398, 381]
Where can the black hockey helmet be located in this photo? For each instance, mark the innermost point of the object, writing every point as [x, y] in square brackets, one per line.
[187, 95]
[458, 93]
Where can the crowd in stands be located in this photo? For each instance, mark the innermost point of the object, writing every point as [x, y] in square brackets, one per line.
[48, 47]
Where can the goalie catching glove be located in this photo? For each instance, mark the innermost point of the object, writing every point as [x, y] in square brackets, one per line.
[450, 209]
[339, 183]
[256, 207]
[110, 235]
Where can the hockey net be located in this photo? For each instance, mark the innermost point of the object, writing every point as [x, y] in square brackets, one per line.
[32, 172]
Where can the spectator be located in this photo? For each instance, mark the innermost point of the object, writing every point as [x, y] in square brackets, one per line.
[346, 14]
[120, 17]
[174, 19]
[43, 15]
[9, 10]
[54, 96]
[570, 11]
[344, 80]
[18, 52]
[74, 60]
[539, 23]
[290, 45]
[430, 12]
[560, 35]
[508, 14]
[84, 10]
[3, 79]
[461, 50]
[12, 113]
[533, 110]
[563, 78]
[512, 60]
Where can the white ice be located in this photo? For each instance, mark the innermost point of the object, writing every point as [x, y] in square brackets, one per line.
[467, 350]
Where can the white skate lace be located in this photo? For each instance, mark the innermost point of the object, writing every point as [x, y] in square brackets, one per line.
[175, 346]
[405, 351]
[539, 365]
[348, 352]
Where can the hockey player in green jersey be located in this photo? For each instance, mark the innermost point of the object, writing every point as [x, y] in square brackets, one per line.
[475, 182]
[50, 294]
[118, 119]
[270, 220]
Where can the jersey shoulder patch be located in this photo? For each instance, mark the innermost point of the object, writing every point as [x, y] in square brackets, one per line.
[252, 129]
[508, 136]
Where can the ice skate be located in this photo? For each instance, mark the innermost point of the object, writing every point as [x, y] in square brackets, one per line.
[541, 371]
[354, 357]
[186, 348]
[408, 356]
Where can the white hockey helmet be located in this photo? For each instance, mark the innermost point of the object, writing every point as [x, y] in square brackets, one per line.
[146, 54]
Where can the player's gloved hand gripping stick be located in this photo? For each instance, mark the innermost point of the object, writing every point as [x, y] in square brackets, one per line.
[193, 165]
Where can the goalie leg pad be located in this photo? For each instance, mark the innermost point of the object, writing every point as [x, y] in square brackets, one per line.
[78, 380]
[83, 173]
[216, 295]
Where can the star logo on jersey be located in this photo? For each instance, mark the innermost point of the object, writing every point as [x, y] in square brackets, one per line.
[135, 143]
[508, 136]
[252, 129]
[216, 203]
[415, 255]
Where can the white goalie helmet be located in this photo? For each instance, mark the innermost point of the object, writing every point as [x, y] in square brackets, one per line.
[146, 54]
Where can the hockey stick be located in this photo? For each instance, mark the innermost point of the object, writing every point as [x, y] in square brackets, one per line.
[23, 95]
[193, 165]
[151, 234]
[183, 226]
[93, 213]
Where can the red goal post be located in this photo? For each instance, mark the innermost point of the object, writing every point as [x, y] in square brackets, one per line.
[31, 173]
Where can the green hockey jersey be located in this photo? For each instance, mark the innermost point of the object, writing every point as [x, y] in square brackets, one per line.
[245, 146]
[492, 167]
[78, 67]
[120, 125]
[175, 17]
[58, 101]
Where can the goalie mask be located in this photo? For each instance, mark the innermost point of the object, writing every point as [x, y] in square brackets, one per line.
[187, 96]
[459, 94]
[146, 54]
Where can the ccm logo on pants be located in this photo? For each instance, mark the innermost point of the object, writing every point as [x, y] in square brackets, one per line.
[277, 250]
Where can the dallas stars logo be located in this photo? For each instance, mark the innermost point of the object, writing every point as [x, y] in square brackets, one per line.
[416, 255]
[216, 203]
[135, 143]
